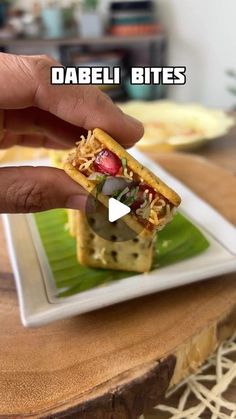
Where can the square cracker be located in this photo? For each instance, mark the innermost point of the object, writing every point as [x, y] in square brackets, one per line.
[92, 250]
[72, 221]
[58, 159]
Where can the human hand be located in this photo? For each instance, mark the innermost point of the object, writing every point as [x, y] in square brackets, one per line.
[35, 113]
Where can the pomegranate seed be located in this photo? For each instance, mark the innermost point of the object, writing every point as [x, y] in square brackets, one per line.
[107, 162]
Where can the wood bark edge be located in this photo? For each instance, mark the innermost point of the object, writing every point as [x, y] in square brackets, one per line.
[136, 395]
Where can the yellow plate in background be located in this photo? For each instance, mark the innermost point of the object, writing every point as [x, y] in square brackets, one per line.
[17, 153]
[169, 125]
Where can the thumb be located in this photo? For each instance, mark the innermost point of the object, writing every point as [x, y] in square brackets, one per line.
[33, 189]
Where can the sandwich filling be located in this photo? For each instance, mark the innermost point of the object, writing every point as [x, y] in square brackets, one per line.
[113, 177]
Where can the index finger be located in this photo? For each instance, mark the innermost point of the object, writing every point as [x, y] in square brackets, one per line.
[25, 82]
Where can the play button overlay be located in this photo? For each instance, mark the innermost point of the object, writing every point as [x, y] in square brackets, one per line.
[116, 210]
[109, 223]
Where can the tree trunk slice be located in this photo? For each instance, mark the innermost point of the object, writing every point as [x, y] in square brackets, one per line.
[117, 362]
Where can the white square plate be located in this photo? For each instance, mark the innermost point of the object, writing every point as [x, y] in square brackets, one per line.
[35, 285]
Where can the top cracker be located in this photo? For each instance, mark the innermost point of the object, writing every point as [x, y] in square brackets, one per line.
[103, 167]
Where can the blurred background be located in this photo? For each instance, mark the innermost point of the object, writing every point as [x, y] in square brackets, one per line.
[200, 35]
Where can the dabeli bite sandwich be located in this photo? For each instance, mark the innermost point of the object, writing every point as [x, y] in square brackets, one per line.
[101, 164]
[105, 169]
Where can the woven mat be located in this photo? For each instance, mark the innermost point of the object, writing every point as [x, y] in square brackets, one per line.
[210, 393]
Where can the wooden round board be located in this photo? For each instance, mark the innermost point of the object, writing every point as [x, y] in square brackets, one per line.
[119, 361]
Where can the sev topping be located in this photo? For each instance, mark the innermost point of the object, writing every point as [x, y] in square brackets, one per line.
[128, 175]
[86, 152]
[100, 255]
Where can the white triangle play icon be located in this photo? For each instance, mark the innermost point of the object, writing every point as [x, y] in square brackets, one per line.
[116, 210]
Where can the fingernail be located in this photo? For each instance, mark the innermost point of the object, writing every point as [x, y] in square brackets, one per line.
[77, 202]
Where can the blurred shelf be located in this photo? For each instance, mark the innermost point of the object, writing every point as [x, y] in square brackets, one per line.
[104, 40]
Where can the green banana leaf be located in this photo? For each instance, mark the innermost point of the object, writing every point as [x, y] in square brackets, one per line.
[178, 241]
